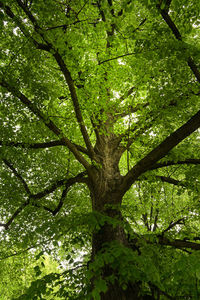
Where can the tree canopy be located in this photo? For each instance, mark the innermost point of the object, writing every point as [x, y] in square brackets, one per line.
[99, 148]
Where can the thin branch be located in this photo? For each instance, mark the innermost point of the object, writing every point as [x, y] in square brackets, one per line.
[127, 54]
[173, 224]
[138, 129]
[117, 57]
[171, 180]
[65, 26]
[193, 161]
[162, 292]
[161, 150]
[42, 145]
[58, 207]
[32, 145]
[127, 93]
[16, 213]
[145, 220]
[61, 202]
[16, 173]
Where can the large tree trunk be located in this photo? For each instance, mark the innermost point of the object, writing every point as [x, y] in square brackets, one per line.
[106, 193]
[108, 234]
[107, 199]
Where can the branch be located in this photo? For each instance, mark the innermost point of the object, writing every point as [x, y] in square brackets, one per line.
[41, 145]
[161, 150]
[58, 207]
[145, 220]
[162, 240]
[76, 105]
[137, 129]
[172, 224]
[68, 183]
[32, 145]
[178, 243]
[119, 56]
[155, 225]
[16, 213]
[21, 26]
[127, 93]
[67, 76]
[65, 26]
[171, 180]
[194, 161]
[46, 121]
[176, 33]
[127, 54]
[7, 163]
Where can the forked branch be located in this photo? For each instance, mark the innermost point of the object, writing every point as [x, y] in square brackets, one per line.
[32, 197]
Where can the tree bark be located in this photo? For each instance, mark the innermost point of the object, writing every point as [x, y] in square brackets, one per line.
[107, 198]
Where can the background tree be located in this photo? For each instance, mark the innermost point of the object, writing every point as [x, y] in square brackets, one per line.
[99, 114]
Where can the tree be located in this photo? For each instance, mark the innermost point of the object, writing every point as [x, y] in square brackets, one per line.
[100, 104]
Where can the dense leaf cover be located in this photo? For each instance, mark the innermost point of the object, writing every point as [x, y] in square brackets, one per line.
[99, 148]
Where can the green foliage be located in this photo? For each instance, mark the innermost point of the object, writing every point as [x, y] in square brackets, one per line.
[84, 85]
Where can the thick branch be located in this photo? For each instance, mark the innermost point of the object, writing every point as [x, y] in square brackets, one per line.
[161, 150]
[67, 76]
[21, 26]
[178, 243]
[77, 109]
[176, 33]
[46, 121]
[162, 240]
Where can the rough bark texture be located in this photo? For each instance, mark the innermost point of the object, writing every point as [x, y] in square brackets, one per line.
[105, 187]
